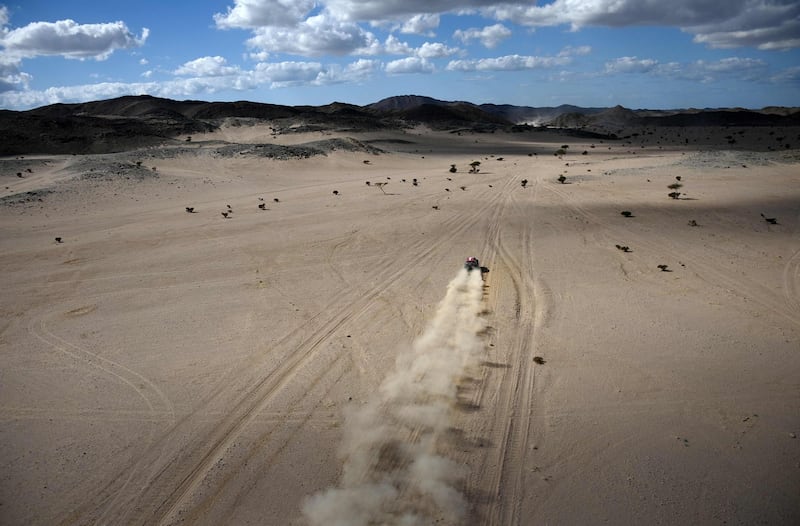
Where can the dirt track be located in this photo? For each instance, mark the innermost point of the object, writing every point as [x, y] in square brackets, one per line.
[164, 367]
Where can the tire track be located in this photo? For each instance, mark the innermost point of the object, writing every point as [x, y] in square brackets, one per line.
[420, 251]
[791, 282]
[515, 403]
[394, 472]
[155, 400]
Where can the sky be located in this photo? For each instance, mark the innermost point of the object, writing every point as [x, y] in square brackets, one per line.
[656, 54]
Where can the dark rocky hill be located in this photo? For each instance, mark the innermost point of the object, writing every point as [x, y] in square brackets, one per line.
[130, 122]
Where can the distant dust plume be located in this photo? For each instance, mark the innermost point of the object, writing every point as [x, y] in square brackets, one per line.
[393, 473]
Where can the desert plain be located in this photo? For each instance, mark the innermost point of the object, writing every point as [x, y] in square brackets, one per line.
[166, 366]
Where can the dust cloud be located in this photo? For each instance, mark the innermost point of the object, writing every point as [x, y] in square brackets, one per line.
[393, 472]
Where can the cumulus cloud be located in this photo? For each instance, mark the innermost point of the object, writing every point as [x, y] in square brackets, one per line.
[69, 39]
[772, 27]
[206, 80]
[629, 65]
[489, 36]
[699, 70]
[250, 14]
[435, 50]
[11, 78]
[206, 67]
[766, 24]
[395, 46]
[398, 9]
[409, 65]
[507, 63]
[574, 51]
[787, 75]
[316, 36]
[289, 73]
[357, 71]
[422, 24]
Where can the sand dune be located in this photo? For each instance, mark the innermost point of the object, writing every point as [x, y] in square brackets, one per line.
[165, 367]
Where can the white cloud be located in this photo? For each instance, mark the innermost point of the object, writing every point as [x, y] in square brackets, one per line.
[275, 75]
[11, 78]
[629, 65]
[787, 75]
[251, 14]
[394, 46]
[87, 92]
[69, 39]
[316, 36]
[409, 65]
[766, 24]
[489, 36]
[435, 50]
[571, 51]
[783, 35]
[206, 67]
[699, 70]
[357, 71]
[289, 73]
[258, 56]
[398, 9]
[422, 24]
[506, 63]
[143, 62]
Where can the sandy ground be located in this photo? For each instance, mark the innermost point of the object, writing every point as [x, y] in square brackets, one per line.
[165, 367]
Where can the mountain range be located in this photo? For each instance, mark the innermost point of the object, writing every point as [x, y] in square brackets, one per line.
[136, 121]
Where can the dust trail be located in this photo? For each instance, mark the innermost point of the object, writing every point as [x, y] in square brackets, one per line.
[393, 473]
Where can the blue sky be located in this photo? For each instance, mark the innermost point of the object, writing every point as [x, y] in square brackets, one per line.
[637, 53]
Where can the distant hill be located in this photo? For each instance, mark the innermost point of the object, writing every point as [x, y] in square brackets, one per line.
[130, 122]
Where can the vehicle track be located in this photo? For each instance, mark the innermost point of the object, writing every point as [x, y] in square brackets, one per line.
[513, 411]
[390, 270]
[167, 454]
[791, 282]
[155, 400]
